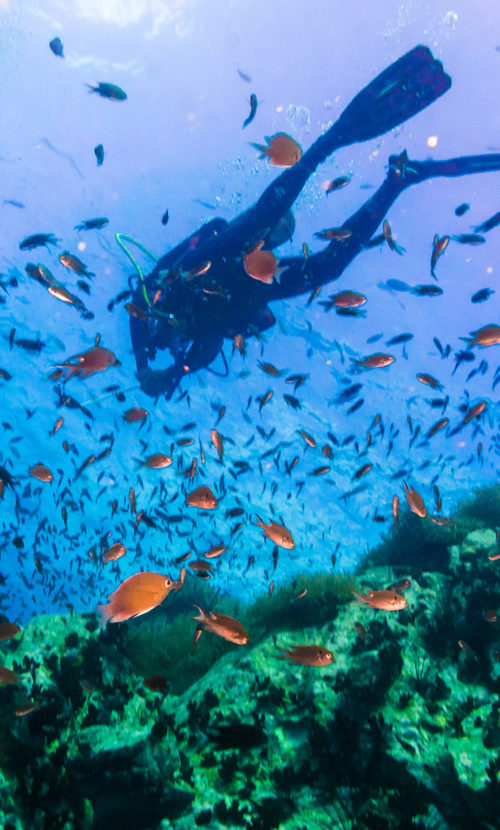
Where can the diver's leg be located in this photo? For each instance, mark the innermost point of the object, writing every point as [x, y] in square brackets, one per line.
[302, 276]
[403, 89]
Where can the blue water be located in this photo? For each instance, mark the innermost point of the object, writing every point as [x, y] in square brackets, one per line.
[178, 141]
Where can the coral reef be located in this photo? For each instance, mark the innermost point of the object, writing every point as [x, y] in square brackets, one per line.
[401, 730]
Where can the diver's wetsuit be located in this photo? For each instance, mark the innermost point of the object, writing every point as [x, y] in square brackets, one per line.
[196, 312]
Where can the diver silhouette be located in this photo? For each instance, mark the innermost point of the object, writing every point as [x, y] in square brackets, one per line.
[199, 293]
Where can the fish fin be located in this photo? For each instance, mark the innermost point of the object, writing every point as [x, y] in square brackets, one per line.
[106, 612]
[261, 148]
[279, 271]
[203, 618]
[360, 597]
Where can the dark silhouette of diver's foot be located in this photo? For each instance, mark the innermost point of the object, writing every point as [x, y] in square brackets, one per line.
[407, 171]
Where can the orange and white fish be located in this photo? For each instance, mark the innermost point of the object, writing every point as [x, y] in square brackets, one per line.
[41, 472]
[202, 497]
[226, 627]
[415, 501]
[88, 363]
[376, 361]
[137, 595]
[279, 534]
[262, 265]
[382, 600]
[306, 655]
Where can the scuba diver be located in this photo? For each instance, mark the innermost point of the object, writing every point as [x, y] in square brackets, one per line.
[200, 293]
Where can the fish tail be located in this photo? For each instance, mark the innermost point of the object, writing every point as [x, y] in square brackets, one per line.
[92, 87]
[261, 523]
[203, 618]
[360, 598]
[261, 148]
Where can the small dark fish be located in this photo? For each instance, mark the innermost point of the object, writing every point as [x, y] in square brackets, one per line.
[30, 345]
[348, 394]
[427, 290]
[357, 405]
[487, 225]
[13, 203]
[244, 76]
[292, 401]
[461, 209]
[337, 183]
[99, 154]
[92, 224]
[37, 240]
[253, 110]
[83, 286]
[164, 218]
[374, 338]
[469, 239]
[482, 295]
[399, 338]
[110, 91]
[395, 285]
[56, 47]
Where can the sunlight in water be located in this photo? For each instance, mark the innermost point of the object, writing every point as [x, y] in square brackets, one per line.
[129, 12]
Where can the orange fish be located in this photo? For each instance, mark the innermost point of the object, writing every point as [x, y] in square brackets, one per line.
[415, 501]
[395, 510]
[429, 381]
[376, 361]
[8, 630]
[361, 630]
[439, 246]
[136, 311]
[88, 363]
[307, 438]
[486, 336]
[222, 625]
[201, 566]
[157, 683]
[202, 497]
[137, 595]
[7, 676]
[114, 552]
[474, 411]
[437, 427]
[393, 245]
[217, 442]
[348, 299]
[401, 585]
[281, 150]
[157, 461]
[22, 711]
[135, 414]
[215, 551]
[307, 655]
[382, 600]
[57, 426]
[261, 265]
[279, 534]
[41, 472]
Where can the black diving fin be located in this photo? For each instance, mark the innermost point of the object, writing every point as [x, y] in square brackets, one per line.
[402, 90]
